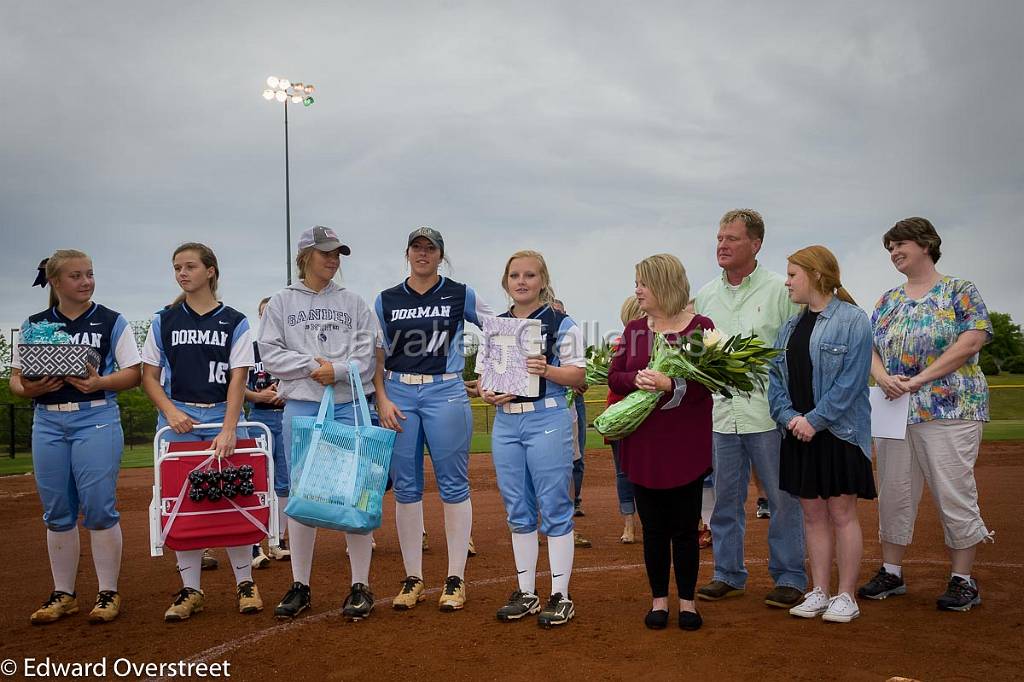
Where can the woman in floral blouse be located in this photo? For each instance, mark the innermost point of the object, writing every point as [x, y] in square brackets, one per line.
[927, 334]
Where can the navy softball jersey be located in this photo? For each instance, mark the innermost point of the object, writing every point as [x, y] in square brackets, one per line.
[260, 379]
[101, 328]
[423, 332]
[561, 344]
[197, 352]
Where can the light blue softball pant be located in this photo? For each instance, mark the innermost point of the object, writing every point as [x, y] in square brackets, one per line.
[203, 415]
[272, 419]
[76, 457]
[441, 410]
[533, 461]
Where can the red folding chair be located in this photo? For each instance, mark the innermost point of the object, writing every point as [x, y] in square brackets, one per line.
[180, 523]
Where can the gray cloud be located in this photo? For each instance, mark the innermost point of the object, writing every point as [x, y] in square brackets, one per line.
[596, 133]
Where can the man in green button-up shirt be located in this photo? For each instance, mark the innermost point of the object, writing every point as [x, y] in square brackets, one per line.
[747, 299]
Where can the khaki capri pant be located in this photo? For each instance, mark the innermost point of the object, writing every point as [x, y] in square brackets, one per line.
[942, 453]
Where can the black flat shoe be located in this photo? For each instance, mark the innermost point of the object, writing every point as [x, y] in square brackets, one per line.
[656, 620]
[689, 620]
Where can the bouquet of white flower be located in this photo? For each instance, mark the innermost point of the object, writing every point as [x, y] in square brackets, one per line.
[738, 364]
[598, 360]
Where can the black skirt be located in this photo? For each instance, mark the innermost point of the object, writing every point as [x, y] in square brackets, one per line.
[826, 467]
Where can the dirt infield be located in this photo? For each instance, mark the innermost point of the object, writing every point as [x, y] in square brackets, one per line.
[741, 638]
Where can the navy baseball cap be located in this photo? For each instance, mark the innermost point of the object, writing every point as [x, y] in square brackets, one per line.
[322, 239]
[428, 233]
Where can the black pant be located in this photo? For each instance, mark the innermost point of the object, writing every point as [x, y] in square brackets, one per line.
[669, 517]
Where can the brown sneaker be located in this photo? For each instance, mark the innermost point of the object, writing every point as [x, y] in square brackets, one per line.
[784, 597]
[453, 594]
[411, 594]
[186, 603]
[716, 589]
[58, 605]
[249, 600]
[210, 562]
[108, 607]
[581, 541]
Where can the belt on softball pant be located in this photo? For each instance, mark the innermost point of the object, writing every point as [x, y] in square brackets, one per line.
[522, 408]
[417, 379]
[204, 405]
[75, 407]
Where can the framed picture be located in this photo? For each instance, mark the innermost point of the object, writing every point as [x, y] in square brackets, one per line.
[501, 362]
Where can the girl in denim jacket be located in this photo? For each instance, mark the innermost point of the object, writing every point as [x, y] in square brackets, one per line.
[818, 393]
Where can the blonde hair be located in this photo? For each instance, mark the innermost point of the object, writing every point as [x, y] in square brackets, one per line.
[630, 310]
[818, 260]
[207, 257]
[665, 276]
[55, 263]
[547, 294]
[302, 261]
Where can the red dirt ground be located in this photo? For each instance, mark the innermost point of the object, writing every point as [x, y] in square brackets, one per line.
[741, 638]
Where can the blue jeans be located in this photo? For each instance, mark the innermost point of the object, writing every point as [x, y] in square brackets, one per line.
[733, 456]
[581, 434]
[623, 486]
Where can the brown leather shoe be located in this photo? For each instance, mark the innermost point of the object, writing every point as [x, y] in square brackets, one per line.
[716, 589]
[784, 597]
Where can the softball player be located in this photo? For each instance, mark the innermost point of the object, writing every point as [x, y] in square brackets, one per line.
[77, 438]
[532, 445]
[419, 387]
[310, 332]
[266, 407]
[204, 350]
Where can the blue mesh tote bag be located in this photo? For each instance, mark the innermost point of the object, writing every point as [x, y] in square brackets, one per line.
[339, 471]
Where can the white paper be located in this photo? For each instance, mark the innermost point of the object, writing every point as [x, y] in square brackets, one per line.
[888, 417]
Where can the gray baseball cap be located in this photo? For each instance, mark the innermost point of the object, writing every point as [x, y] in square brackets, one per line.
[322, 239]
[428, 233]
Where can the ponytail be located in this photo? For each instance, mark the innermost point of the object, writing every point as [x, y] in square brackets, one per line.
[843, 295]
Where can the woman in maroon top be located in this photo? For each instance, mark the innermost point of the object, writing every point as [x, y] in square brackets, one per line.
[669, 455]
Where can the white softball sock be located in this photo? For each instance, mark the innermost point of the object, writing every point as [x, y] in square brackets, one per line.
[360, 551]
[282, 518]
[241, 562]
[301, 541]
[561, 551]
[190, 566]
[106, 555]
[64, 549]
[409, 519]
[525, 550]
[458, 525]
[707, 505]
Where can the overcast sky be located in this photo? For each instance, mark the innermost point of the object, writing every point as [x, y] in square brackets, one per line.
[596, 132]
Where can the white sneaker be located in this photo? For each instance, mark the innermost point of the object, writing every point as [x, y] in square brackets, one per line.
[841, 609]
[815, 603]
[279, 553]
[260, 558]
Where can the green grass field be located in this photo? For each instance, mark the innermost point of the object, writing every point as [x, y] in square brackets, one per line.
[1007, 410]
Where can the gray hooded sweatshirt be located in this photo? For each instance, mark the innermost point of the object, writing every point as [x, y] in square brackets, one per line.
[300, 325]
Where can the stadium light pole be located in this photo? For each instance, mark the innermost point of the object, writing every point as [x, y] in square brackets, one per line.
[283, 90]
